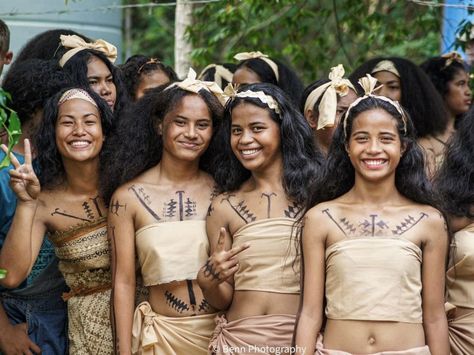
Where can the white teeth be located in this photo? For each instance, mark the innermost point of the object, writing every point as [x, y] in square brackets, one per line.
[80, 144]
[249, 151]
[374, 162]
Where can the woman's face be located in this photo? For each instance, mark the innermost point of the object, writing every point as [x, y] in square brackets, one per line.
[245, 76]
[391, 85]
[374, 145]
[101, 81]
[255, 137]
[458, 98]
[187, 129]
[149, 81]
[79, 134]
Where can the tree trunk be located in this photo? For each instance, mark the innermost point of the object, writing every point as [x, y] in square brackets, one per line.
[182, 45]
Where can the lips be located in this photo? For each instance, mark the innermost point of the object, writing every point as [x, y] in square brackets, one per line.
[190, 145]
[79, 144]
[374, 163]
[249, 153]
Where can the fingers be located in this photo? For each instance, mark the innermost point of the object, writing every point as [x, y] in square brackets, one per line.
[27, 152]
[16, 164]
[236, 250]
[22, 175]
[35, 348]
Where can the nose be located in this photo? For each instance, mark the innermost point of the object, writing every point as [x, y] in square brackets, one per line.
[79, 129]
[373, 146]
[190, 132]
[246, 137]
[105, 89]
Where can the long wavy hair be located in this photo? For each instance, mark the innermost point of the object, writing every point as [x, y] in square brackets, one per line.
[455, 179]
[419, 96]
[51, 168]
[339, 174]
[138, 127]
[301, 159]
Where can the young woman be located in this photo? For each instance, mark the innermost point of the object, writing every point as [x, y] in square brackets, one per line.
[142, 73]
[267, 159]
[454, 183]
[157, 218]
[324, 102]
[90, 65]
[450, 77]
[66, 204]
[256, 67]
[374, 248]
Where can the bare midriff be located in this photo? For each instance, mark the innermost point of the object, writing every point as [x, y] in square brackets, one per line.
[366, 337]
[178, 299]
[258, 303]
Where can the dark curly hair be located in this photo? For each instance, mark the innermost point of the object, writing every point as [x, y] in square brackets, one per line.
[339, 174]
[440, 73]
[419, 96]
[138, 65]
[288, 81]
[51, 168]
[31, 82]
[144, 146]
[455, 179]
[76, 67]
[301, 159]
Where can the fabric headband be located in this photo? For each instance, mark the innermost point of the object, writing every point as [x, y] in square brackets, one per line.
[77, 44]
[221, 73]
[328, 106]
[385, 65]
[259, 55]
[368, 83]
[193, 85]
[268, 100]
[452, 57]
[150, 61]
[76, 94]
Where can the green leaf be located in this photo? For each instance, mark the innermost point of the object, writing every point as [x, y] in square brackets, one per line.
[3, 273]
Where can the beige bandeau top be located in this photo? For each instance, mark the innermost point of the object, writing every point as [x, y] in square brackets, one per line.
[171, 251]
[374, 278]
[460, 275]
[269, 263]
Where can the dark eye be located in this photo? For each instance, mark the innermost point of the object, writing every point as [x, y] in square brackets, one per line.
[179, 122]
[236, 130]
[257, 129]
[92, 82]
[361, 139]
[203, 125]
[386, 139]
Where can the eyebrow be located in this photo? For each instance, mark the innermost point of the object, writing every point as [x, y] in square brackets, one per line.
[199, 119]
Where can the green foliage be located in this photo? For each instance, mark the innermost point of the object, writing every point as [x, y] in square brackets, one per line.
[315, 35]
[10, 122]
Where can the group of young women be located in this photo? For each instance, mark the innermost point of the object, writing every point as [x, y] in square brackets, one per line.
[194, 219]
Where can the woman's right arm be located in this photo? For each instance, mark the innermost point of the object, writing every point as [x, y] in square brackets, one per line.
[311, 313]
[26, 233]
[121, 232]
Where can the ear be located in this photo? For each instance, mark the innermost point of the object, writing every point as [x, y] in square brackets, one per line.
[312, 121]
[403, 148]
[8, 57]
[159, 128]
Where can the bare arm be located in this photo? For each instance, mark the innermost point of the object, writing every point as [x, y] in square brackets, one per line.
[26, 233]
[121, 232]
[311, 314]
[433, 275]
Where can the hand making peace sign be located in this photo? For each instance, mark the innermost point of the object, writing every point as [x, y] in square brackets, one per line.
[23, 180]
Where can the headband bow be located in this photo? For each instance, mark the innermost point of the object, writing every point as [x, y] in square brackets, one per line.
[369, 85]
[268, 100]
[221, 73]
[193, 85]
[452, 57]
[328, 106]
[259, 55]
[77, 44]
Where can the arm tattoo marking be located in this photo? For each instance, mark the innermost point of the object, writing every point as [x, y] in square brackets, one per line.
[241, 210]
[268, 196]
[204, 306]
[175, 303]
[209, 210]
[144, 203]
[115, 206]
[408, 223]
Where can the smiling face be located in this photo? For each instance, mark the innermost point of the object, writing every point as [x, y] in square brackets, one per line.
[458, 97]
[255, 137]
[391, 85]
[374, 145]
[150, 80]
[79, 134]
[101, 81]
[187, 130]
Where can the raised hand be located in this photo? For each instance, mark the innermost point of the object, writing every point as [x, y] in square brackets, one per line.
[222, 264]
[23, 180]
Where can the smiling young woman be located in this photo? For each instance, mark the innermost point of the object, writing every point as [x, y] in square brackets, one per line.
[374, 247]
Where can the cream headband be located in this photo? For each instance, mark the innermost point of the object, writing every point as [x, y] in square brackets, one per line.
[264, 98]
[385, 65]
[368, 83]
[77, 44]
[221, 73]
[76, 94]
[259, 55]
[328, 106]
[452, 57]
[193, 85]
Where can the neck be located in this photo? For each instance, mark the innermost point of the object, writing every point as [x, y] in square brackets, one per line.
[270, 179]
[375, 193]
[177, 171]
[82, 177]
